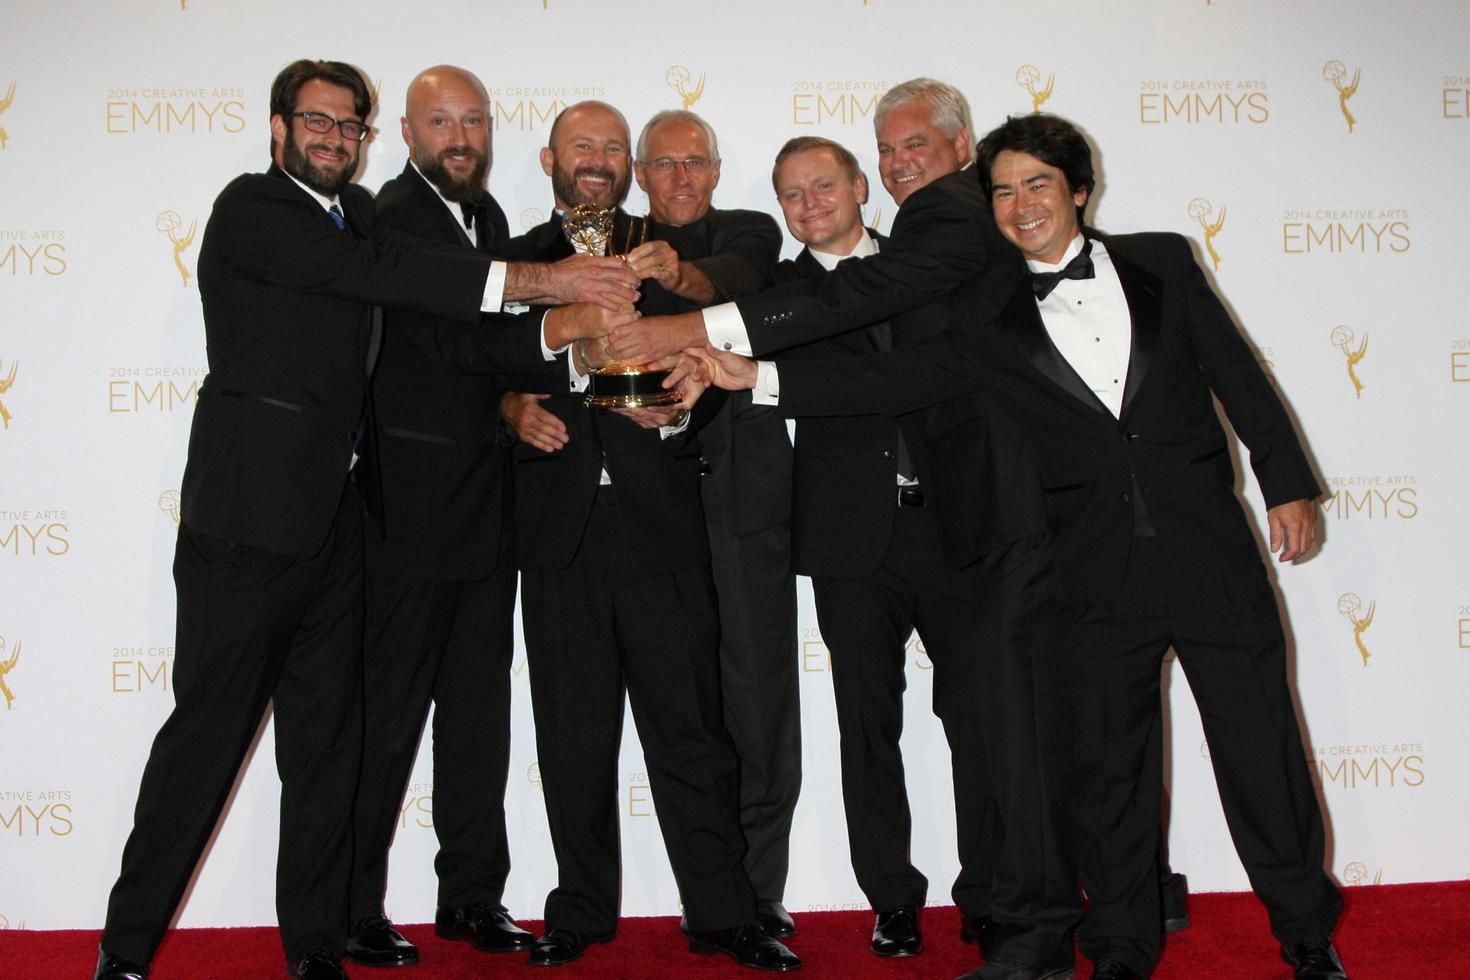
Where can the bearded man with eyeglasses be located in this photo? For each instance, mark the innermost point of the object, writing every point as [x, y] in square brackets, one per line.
[268, 564]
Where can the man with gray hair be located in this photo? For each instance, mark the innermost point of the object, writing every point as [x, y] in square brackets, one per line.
[1014, 889]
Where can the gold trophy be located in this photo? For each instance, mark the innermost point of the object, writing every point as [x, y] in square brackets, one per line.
[591, 230]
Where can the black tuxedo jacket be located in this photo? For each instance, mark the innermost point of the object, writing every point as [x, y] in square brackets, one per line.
[445, 474]
[943, 236]
[1168, 444]
[655, 481]
[844, 468]
[287, 311]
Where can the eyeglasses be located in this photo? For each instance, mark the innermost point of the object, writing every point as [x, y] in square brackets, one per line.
[320, 122]
[666, 165]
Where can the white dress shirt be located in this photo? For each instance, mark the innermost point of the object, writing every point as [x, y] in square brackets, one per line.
[1087, 320]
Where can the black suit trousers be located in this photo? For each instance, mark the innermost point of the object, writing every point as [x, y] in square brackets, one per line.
[756, 591]
[989, 636]
[449, 642]
[254, 627]
[1233, 652]
[598, 627]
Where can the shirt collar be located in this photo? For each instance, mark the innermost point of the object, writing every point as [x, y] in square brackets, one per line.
[455, 211]
[326, 202]
[866, 246]
[1074, 248]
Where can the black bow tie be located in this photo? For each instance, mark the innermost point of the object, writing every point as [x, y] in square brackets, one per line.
[473, 211]
[1079, 268]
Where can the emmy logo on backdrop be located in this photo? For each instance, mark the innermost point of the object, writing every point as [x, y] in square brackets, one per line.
[875, 220]
[6, 383]
[5, 104]
[168, 224]
[1342, 339]
[678, 78]
[1199, 210]
[7, 664]
[1335, 71]
[1027, 76]
[531, 217]
[533, 774]
[168, 502]
[1351, 606]
[1356, 873]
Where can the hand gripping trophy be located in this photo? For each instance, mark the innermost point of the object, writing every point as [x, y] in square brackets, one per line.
[591, 230]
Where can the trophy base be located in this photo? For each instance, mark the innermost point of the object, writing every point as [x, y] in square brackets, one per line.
[629, 389]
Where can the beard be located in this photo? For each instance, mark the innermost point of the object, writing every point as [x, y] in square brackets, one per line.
[564, 185]
[467, 188]
[323, 180]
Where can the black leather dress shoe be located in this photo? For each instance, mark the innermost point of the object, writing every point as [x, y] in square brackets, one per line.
[375, 942]
[560, 946]
[896, 932]
[774, 919]
[747, 945]
[1112, 970]
[111, 967]
[1173, 897]
[319, 965]
[485, 926]
[979, 931]
[1315, 960]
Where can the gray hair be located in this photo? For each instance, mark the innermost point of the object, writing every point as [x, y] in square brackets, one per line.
[678, 115]
[948, 110]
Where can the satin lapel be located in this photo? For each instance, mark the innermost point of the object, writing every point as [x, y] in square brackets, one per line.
[1023, 323]
[1143, 291]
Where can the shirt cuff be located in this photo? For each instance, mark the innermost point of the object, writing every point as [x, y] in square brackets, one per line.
[665, 431]
[576, 382]
[767, 390]
[494, 289]
[547, 353]
[726, 328]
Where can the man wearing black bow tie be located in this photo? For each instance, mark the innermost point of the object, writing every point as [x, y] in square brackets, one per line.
[440, 569]
[1110, 356]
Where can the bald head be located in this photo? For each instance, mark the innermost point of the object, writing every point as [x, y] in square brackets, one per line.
[587, 156]
[446, 124]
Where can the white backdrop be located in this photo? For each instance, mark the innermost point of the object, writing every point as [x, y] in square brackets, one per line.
[119, 123]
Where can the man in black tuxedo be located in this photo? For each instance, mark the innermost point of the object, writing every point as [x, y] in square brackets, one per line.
[698, 255]
[440, 572]
[872, 548]
[268, 565]
[1111, 357]
[617, 596]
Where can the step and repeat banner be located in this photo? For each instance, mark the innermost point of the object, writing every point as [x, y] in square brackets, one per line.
[1314, 151]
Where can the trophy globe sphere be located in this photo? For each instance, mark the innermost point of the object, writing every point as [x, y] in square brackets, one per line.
[1027, 75]
[1334, 70]
[677, 77]
[1349, 603]
[1199, 208]
[1342, 335]
[168, 222]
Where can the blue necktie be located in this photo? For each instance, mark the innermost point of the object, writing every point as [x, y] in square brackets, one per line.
[335, 213]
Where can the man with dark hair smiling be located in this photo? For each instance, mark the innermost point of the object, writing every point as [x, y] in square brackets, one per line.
[269, 559]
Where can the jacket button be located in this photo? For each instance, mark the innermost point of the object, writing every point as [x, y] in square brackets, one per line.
[1124, 496]
[887, 454]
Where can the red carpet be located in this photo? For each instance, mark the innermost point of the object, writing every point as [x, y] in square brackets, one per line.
[1388, 932]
